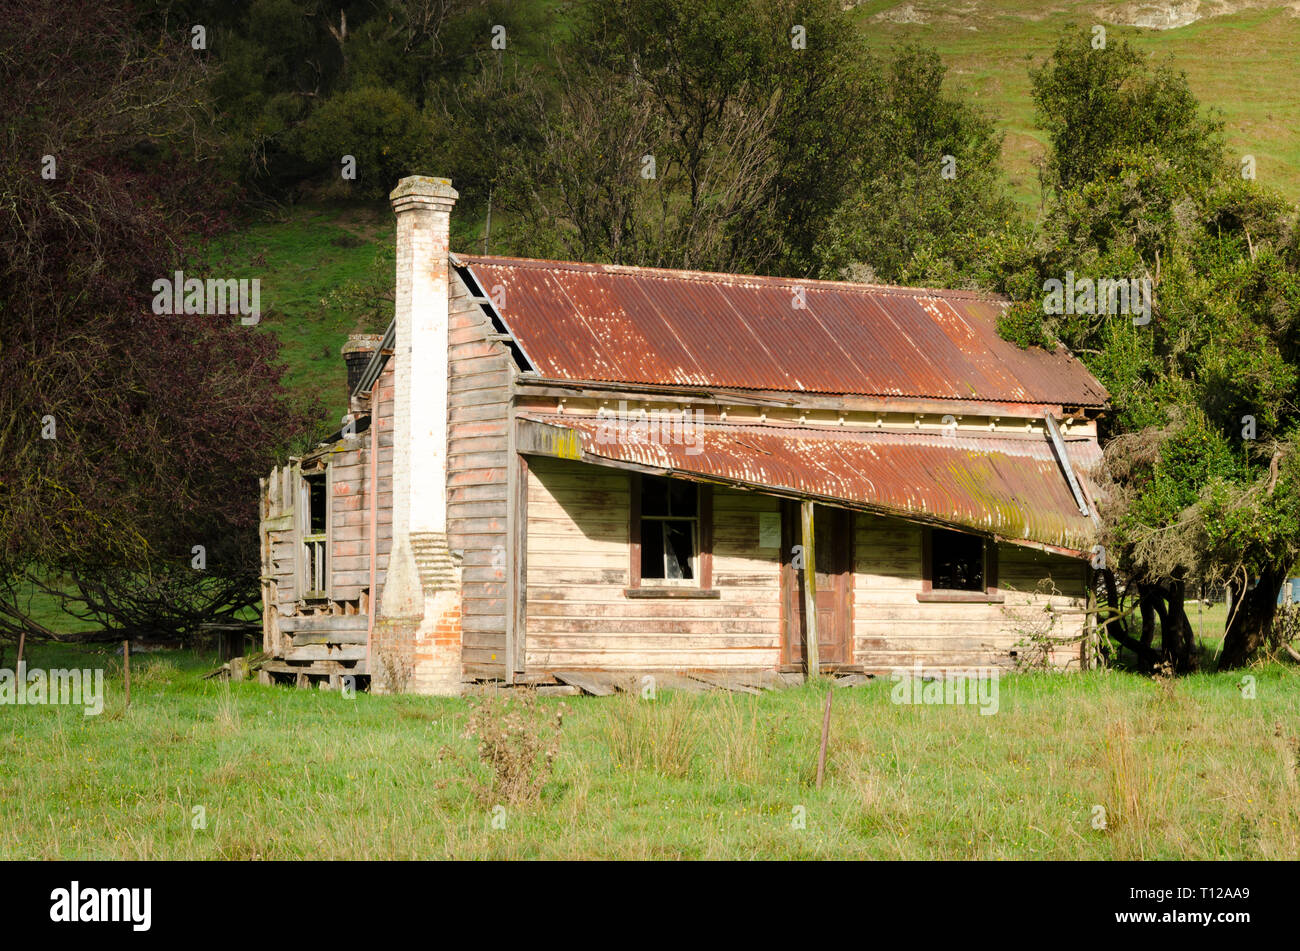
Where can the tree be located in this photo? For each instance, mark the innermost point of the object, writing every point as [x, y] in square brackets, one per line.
[1093, 102]
[692, 133]
[385, 135]
[298, 84]
[129, 436]
[753, 137]
[929, 194]
[1202, 372]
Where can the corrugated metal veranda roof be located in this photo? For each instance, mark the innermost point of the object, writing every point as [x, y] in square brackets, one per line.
[1010, 486]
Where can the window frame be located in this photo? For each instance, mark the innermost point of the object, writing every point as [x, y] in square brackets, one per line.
[929, 593]
[701, 586]
[304, 534]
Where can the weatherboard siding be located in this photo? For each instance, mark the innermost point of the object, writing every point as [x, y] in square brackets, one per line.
[382, 397]
[892, 629]
[278, 553]
[349, 512]
[578, 567]
[478, 453]
[579, 617]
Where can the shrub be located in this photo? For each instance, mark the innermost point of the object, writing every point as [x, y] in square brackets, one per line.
[385, 132]
[518, 742]
[1022, 324]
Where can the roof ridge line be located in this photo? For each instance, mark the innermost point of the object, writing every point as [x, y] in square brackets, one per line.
[722, 277]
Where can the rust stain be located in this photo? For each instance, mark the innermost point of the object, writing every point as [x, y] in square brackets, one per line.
[1004, 484]
[652, 326]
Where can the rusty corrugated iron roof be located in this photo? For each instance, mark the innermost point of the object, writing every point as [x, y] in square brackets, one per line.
[1010, 486]
[611, 323]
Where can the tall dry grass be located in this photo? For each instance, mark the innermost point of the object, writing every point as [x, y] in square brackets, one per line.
[661, 735]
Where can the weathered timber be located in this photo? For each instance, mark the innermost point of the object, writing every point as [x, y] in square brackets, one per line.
[325, 652]
[725, 682]
[316, 623]
[305, 638]
[594, 683]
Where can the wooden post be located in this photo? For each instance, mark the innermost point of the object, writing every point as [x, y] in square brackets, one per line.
[826, 732]
[516, 567]
[22, 641]
[1200, 609]
[809, 591]
[1092, 642]
[126, 670]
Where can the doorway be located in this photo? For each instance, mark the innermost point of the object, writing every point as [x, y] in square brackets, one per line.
[833, 557]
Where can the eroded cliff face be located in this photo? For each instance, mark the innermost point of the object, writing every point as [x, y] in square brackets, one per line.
[1148, 14]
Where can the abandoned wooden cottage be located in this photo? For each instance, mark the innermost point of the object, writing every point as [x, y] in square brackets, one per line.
[551, 467]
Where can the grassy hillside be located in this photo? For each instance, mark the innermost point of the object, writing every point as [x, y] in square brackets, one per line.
[1187, 768]
[1240, 57]
[301, 257]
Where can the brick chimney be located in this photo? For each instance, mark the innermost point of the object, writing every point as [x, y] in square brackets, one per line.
[417, 635]
[357, 353]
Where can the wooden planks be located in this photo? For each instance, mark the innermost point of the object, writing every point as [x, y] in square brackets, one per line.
[517, 588]
[349, 515]
[325, 652]
[279, 551]
[305, 638]
[579, 563]
[324, 624]
[478, 481]
[893, 630]
[596, 684]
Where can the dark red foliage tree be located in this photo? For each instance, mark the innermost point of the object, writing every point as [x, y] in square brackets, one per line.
[126, 437]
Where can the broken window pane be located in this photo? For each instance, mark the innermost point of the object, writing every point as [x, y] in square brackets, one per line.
[669, 513]
[317, 506]
[679, 549]
[957, 561]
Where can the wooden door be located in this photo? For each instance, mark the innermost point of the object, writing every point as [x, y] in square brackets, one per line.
[833, 557]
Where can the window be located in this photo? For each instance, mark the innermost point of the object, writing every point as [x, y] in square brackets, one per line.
[958, 561]
[671, 538]
[316, 506]
[670, 525]
[958, 566]
[314, 526]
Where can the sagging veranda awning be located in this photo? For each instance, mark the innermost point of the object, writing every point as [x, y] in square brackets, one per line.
[1010, 486]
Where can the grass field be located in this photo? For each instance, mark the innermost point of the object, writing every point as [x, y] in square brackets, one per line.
[1189, 768]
